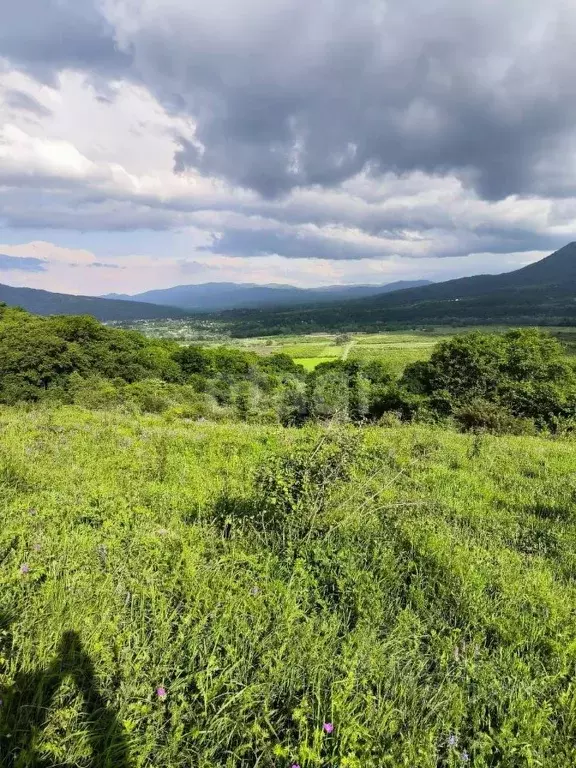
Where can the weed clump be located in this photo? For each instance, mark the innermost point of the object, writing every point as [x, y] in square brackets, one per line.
[294, 488]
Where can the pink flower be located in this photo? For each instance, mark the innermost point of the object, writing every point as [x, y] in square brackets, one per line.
[161, 693]
[295, 765]
[24, 568]
[327, 727]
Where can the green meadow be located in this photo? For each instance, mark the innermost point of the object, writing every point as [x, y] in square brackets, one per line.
[180, 594]
[396, 349]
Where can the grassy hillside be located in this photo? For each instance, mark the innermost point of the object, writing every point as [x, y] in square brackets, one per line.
[182, 595]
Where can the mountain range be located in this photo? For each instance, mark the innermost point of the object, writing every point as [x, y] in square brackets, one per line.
[214, 297]
[540, 293]
[46, 303]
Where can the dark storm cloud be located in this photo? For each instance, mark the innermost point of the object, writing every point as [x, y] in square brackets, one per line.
[26, 208]
[296, 93]
[22, 263]
[289, 93]
[258, 242]
[301, 244]
[46, 36]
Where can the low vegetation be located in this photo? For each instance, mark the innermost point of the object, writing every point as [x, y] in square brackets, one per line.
[211, 556]
[233, 595]
[518, 381]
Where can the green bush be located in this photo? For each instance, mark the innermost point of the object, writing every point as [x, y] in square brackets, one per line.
[491, 381]
[482, 415]
[524, 373]
[293, 489]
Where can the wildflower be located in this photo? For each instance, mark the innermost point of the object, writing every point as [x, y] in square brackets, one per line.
[24, 568]
[254, 591]
[465, 757]
[37, 547]
[327, 727]
[295, 765]
[161, 692]
[452, 740]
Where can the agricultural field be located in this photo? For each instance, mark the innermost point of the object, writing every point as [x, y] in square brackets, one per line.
[186, 594]
[397, 348]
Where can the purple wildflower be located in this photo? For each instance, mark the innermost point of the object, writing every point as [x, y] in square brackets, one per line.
[295, 765]
[24, 568]
[452, 740]
[465, 757]
[327, 727]
[161, 692]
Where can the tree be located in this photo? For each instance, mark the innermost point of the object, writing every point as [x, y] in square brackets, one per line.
[524, 371]
[328, 394]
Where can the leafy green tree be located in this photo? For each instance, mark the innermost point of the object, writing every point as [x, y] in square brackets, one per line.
[524, 371]
[195, 360]
[328, 395]
[246, 400]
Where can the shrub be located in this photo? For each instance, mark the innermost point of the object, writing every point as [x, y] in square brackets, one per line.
[395, 399]
[482, 415]
[328, 394]
[293, 489]
[523, 373]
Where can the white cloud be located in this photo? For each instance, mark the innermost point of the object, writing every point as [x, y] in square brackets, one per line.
[87, 154]
[80, 271]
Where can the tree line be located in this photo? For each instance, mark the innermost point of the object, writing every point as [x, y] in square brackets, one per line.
[519, 381]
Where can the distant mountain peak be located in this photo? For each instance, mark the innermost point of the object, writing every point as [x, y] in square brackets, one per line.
[216, 297]
[543, 292]
[558, 266]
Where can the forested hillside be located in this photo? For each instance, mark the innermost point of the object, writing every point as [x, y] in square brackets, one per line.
[219, 296]
[47, 303]
[543, 293]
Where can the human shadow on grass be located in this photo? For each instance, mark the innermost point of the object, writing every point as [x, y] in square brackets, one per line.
[26, 706]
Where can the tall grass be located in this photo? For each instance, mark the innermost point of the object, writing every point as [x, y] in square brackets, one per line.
[213, 595]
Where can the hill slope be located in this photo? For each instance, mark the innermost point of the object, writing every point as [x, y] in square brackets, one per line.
[47, 303]
[429, 609]
[211, 297]
[544, 292]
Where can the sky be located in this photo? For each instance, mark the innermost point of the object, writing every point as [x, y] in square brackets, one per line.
[150, 143]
